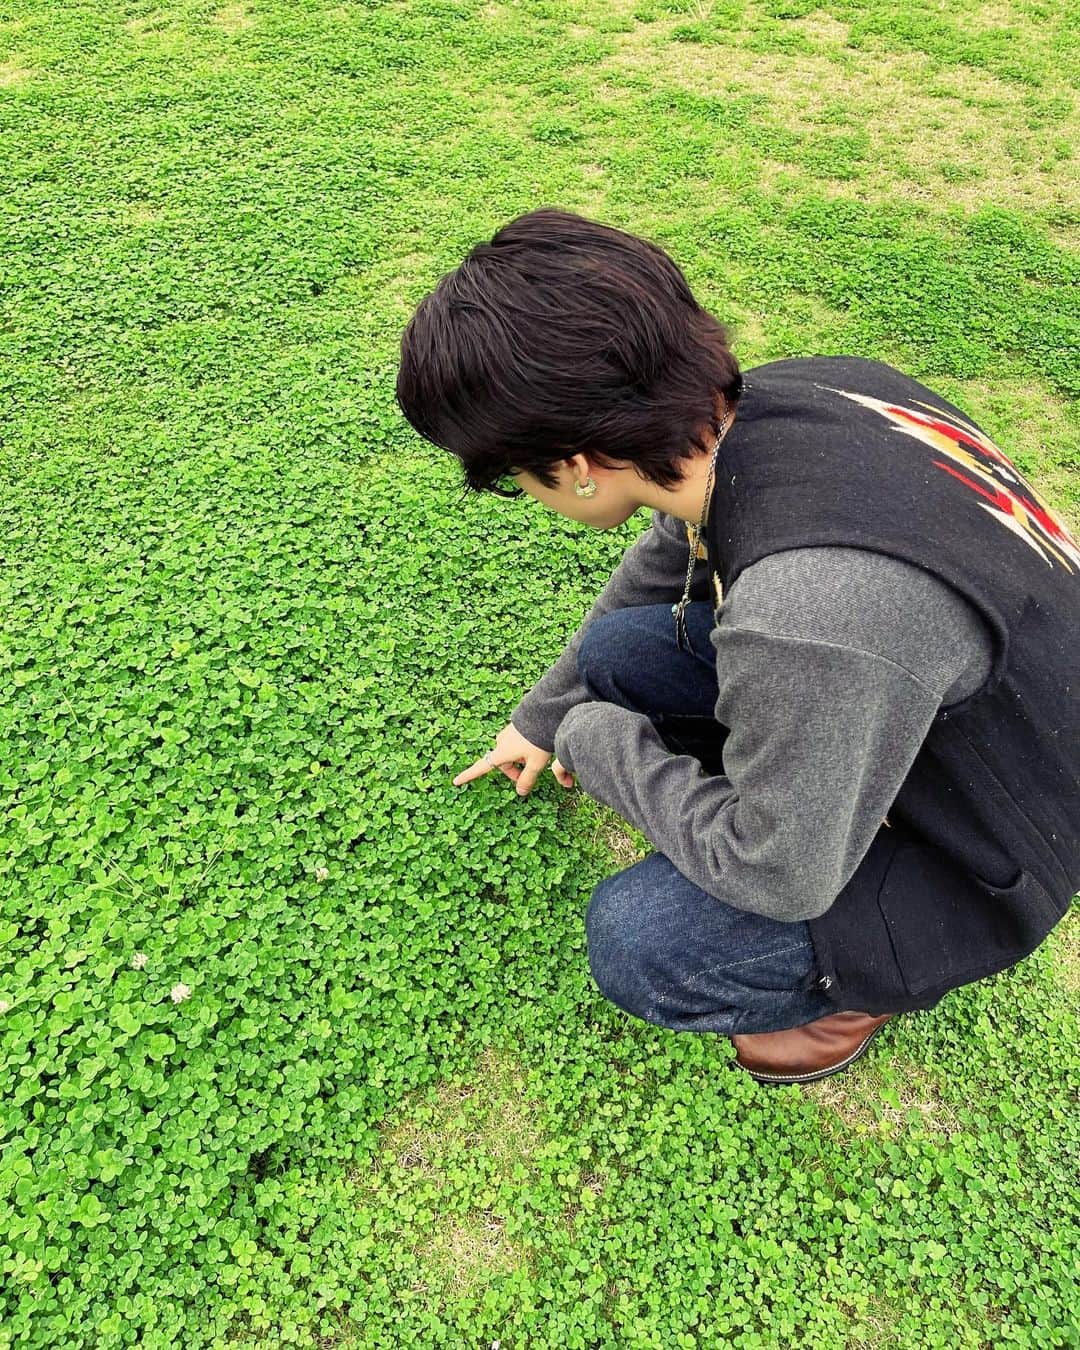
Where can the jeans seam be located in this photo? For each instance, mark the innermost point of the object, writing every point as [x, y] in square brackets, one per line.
[723, 965]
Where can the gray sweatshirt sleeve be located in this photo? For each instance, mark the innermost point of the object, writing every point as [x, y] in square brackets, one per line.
[652, 569]
[831, 665]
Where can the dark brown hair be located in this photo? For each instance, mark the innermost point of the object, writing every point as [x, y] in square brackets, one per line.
[564, 336]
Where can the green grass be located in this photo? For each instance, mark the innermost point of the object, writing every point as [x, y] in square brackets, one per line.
[248, 640]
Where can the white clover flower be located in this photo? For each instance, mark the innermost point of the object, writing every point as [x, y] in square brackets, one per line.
[139, 960]
[179, 992]
[4, 1005]
[321, 873]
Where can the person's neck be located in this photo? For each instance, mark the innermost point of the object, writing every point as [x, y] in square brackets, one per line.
[685, 501]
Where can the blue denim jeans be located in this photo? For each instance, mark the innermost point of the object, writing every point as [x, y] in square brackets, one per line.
[659, 946]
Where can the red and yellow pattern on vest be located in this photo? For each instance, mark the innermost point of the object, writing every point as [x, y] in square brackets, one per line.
[1009, 497]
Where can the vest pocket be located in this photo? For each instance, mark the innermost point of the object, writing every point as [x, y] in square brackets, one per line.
[948, 927]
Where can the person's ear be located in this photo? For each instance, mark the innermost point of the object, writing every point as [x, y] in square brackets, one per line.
[580, 467]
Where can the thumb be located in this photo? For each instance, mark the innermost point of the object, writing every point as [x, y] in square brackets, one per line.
[528, 776]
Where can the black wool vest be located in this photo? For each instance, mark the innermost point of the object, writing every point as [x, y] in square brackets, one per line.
[981, 857]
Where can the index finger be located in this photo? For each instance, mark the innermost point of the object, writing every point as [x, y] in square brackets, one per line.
[481, 766]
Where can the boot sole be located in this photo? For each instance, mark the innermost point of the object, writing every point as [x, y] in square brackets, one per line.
[779, 1079]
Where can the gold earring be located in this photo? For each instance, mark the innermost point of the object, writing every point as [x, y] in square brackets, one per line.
[588, 490]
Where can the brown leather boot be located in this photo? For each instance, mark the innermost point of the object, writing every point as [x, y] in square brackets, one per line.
[815, 1050]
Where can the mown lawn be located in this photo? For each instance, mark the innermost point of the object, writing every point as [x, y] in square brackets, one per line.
[299, 1044]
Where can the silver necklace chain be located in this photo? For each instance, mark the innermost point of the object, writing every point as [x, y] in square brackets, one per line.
[698, 530]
